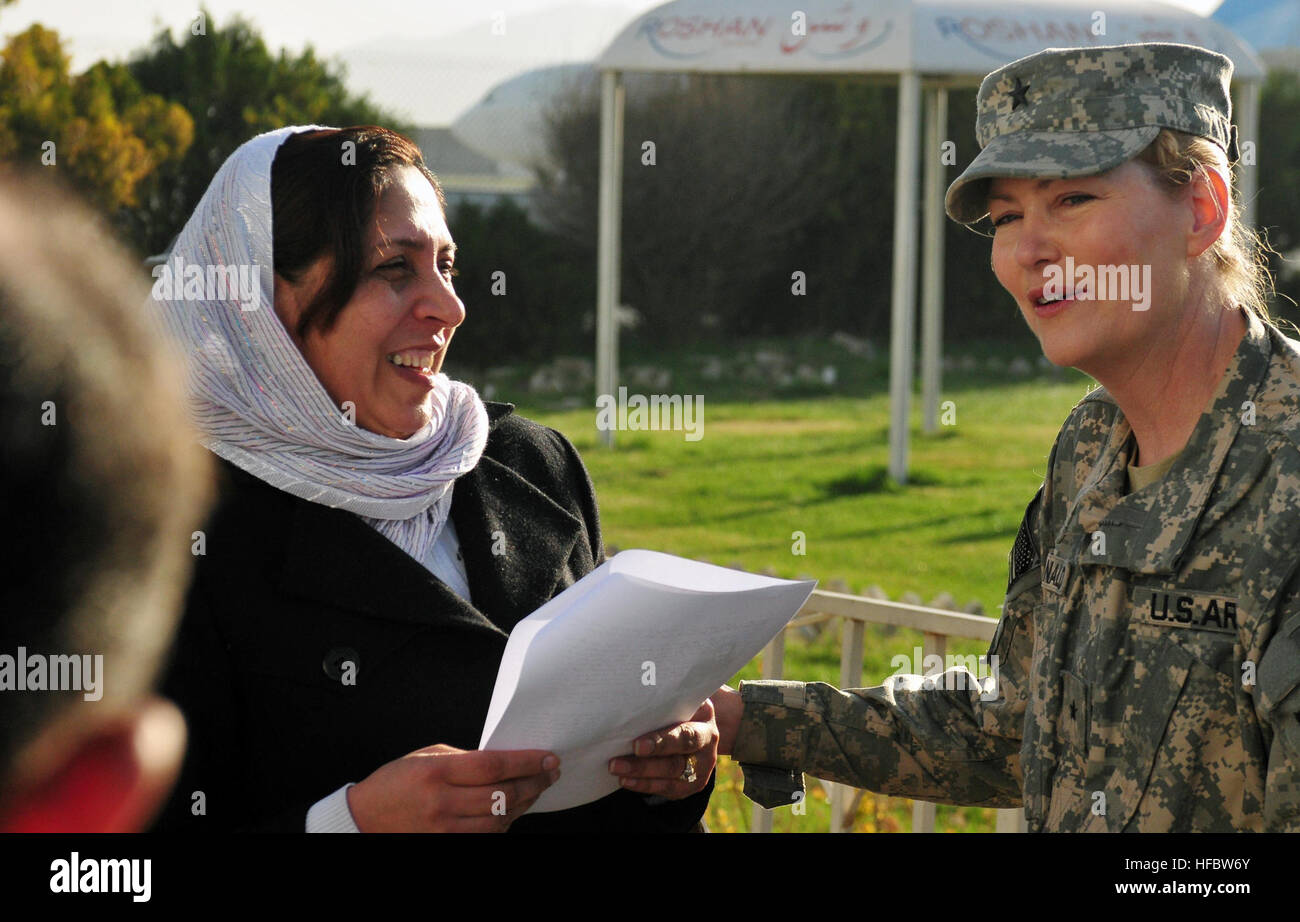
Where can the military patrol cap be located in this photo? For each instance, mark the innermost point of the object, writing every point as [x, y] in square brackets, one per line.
[1067, 112]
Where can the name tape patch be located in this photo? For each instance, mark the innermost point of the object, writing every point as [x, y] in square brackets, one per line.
[1180, 608]
[1055, 573]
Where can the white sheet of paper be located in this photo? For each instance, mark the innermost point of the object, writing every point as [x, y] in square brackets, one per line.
[635, 645]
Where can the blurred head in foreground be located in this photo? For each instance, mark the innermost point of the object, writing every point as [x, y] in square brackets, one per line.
[103, 485]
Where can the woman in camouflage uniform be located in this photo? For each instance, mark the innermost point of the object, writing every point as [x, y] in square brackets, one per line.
[1148, 655]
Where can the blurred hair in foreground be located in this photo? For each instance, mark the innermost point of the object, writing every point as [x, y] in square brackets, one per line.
[102, 484]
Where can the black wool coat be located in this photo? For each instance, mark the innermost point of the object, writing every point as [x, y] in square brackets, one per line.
[288, 590]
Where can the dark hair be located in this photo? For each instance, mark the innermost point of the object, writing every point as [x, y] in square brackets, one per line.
[103, 480]
[324, 187]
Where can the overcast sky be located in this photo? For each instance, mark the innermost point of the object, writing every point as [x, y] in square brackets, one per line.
[427, 60]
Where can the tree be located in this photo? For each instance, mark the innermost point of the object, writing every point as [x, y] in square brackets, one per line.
[1278, 159]
[527, 292]
[757, 179]
[719, 173]
[102, 132]
[235, 88]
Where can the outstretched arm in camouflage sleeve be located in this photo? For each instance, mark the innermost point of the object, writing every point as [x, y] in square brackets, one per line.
[950, 738]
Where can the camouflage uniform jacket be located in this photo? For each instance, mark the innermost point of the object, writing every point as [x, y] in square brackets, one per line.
[1148, 654]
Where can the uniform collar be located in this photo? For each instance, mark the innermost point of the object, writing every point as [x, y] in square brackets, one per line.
[1146, 532]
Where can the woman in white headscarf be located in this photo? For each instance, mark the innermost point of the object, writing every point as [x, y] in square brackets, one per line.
[380, 529]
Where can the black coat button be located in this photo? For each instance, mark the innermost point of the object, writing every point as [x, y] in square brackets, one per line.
[334, 660]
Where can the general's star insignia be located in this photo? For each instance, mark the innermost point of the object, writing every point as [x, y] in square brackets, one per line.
[1018, 94]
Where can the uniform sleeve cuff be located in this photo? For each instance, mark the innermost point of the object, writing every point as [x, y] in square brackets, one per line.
[770, 741]
[772, 787]
[775, 724]
[331, 814]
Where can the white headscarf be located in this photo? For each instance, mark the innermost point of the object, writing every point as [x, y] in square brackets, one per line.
[260, 406]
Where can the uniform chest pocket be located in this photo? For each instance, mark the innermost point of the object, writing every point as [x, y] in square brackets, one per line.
[1148, 735]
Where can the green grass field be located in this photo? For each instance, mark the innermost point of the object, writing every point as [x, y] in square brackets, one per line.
[766, 469]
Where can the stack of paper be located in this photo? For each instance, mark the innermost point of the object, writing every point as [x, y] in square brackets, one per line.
[635, 645]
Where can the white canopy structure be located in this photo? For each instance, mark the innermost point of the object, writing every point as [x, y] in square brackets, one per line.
[930, 47]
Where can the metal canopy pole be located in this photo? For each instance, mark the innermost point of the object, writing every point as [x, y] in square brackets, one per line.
[903, 313]
[1247, 119]
[936, 126]
[609, 234]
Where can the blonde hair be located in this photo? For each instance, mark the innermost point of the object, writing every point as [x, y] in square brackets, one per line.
[1238, 257]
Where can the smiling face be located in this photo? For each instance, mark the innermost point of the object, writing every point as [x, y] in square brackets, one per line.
[389, 341]
[1117, 218]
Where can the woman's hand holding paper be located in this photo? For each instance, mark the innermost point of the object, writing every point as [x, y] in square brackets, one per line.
[444, 789]
[674, 762]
